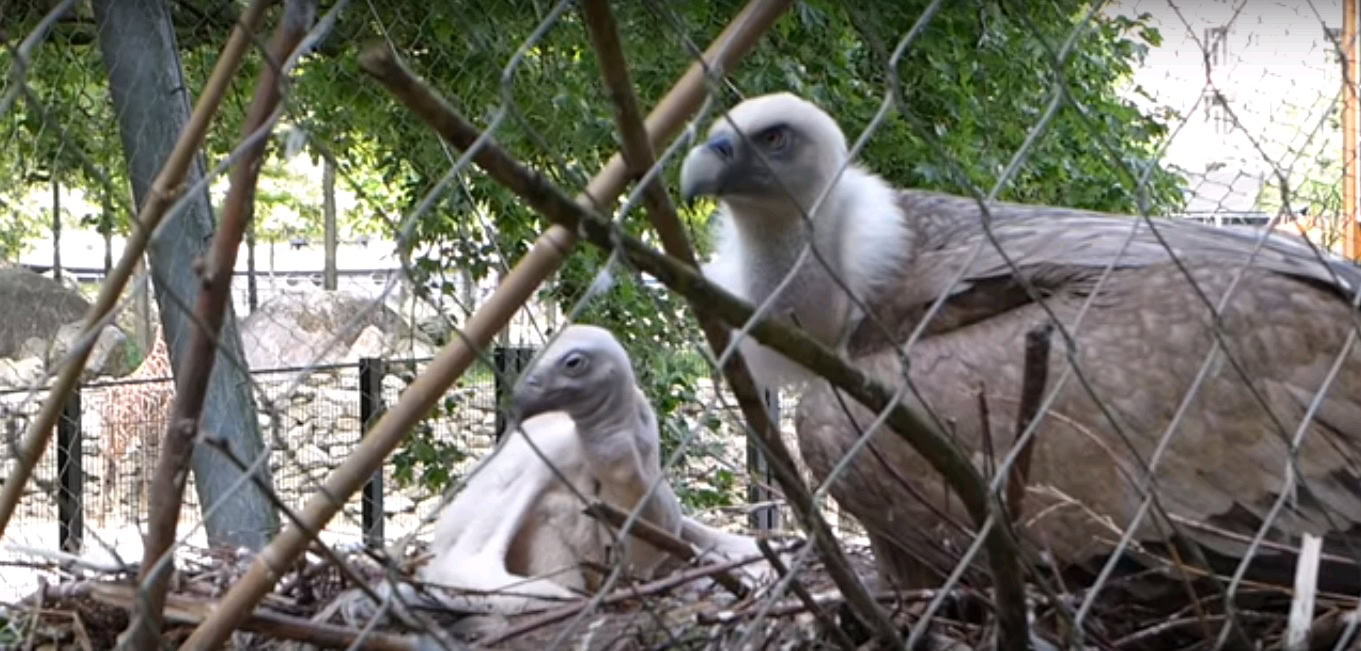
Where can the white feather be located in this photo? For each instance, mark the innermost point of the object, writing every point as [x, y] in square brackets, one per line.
[875, 240]
[869, 232]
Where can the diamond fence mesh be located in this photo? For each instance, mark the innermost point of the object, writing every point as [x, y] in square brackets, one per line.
[1058, 433]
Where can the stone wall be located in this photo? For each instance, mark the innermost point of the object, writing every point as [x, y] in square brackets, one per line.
[316, 426]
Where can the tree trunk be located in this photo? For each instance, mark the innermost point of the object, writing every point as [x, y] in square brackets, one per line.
[328, 194]
[56, 226]
[252, 292]
[150, 98]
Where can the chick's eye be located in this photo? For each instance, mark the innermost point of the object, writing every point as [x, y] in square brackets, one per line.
[573, 361]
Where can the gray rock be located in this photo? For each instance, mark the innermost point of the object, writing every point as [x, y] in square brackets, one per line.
[35, 306]
[294, 328]
[20, 372]
[33, 347]
[396, 504]
[302, 432]
[368, 344]
[108, 357]
[437, 327]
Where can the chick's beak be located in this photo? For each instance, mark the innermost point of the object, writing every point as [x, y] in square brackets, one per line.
[706, 168]
[529, 399]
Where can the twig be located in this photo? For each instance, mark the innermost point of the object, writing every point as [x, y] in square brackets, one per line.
[828, 624]
[985, 422]
[1035, 376]
[623, 594]
[604, 37]
[796, 606]
[215, 274]
[67, 559]
[1160, 628]
[33, 621]
[655, 536]
[61, 591]
[329, 555]
[192, 611]
[943, 455]
[164, 191]
[515, 288]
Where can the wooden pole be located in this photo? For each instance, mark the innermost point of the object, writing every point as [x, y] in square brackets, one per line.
[1351, 230]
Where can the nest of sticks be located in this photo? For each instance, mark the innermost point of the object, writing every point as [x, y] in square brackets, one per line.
[311, 607]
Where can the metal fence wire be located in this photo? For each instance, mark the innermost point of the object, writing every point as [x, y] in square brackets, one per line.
[1064, 292]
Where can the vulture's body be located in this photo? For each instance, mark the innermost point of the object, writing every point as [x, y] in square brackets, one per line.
[1140, 345]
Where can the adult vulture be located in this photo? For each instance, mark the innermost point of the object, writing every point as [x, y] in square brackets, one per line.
[1287, 326]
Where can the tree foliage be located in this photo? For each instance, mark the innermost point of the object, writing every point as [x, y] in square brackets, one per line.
[973, 84]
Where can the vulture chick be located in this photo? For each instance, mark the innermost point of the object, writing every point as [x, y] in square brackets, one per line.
[517, 532]
[1139, 347]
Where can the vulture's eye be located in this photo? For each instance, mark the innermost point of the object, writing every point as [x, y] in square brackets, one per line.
[774, 138]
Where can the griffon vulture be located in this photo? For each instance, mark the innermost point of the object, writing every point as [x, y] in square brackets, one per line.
[516, 534]
[1139, 346]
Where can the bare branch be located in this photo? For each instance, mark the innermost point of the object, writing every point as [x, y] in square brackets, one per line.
[655, 536]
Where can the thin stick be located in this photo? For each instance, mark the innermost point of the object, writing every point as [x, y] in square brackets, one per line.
[655, 536]
[623, 594]
[1033, 380]
[946, 458]
[172, 468]
[796, 606]
[805, 598]
[192, 611]
[164, 190]
[517, 287]
[638, 151]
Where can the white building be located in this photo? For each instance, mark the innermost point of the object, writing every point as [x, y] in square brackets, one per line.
[1257, 88]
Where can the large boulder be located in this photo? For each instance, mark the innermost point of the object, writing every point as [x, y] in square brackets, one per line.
[371, 343]
[35, 306]
[293, 328]
[108, 357]
[17, 373]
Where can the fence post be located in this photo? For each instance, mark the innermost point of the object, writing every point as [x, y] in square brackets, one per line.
[370, 406]
[765, 518]
[71, 477]
[507, 362]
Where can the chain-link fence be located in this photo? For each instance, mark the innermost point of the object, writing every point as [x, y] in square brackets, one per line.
[1055, 307]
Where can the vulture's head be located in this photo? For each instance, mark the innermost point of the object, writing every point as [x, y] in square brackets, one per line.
[767, 150]
[578, 373]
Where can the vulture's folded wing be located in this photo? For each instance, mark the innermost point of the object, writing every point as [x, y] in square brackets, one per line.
[1058, 250]
[1139, 348]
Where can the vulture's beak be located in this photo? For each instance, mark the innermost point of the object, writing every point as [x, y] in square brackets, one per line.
[706, 168]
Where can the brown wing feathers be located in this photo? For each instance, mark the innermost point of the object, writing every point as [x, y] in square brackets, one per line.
[1140, 347]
